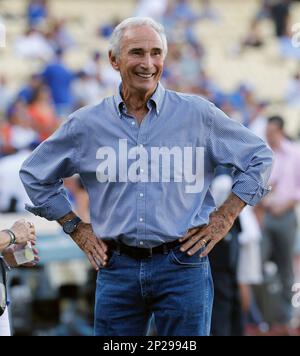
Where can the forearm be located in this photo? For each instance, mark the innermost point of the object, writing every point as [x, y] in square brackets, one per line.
[231, 208]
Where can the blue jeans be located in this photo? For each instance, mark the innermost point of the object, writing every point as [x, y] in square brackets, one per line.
[173, 287]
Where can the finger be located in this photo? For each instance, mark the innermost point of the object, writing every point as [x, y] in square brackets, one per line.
[191, 242]
[100, 253]
[35, 251]
[98, 257]
[198, 246]
[103, 245]
[92, 261]
[189, 234]
[30, 264]
[209, 247]
[33, 243]
[99, 250]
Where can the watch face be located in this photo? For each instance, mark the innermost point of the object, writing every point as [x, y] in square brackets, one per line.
[69, 227]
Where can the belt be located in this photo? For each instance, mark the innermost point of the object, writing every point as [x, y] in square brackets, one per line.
[142, 253]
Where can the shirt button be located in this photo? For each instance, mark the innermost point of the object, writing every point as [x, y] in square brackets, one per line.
[141, 243]
[132, 123]
[141, 219]
[142, 171]
[141, 195]
[141, 145]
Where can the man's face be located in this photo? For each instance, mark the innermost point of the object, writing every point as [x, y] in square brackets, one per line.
[141, 59]
[274, 135]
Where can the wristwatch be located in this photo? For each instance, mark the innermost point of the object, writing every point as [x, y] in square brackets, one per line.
[71, 225]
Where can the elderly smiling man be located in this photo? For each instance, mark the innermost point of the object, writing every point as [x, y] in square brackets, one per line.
[147, 157]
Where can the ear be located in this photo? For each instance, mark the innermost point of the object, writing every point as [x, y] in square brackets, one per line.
[113, 61]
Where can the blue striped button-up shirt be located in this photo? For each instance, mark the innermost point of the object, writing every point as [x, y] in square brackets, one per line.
[148, 183]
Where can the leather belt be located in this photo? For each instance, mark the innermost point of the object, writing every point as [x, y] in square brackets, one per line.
[141, 253]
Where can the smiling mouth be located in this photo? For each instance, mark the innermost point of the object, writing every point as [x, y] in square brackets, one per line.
[145, 76]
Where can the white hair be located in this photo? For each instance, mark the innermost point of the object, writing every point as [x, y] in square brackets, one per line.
[117, 35]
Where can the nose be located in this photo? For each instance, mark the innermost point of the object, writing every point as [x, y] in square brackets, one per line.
[147, 61]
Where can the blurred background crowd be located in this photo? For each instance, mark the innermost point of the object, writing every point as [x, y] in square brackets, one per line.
[241, 55]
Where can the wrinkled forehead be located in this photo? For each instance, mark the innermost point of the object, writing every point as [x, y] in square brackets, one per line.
[144, 37]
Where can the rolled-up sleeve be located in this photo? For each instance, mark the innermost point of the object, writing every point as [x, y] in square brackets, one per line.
[233, 145]
[43, 172]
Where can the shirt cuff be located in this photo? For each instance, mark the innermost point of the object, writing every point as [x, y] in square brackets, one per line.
[53, 209]
[247, 189]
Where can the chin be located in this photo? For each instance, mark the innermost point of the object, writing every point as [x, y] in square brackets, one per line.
[146, 87]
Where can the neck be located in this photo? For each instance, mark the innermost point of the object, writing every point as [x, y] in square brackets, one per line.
[277, 145]
[136, 101]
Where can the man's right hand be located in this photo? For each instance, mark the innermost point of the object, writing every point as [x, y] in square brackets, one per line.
[94, 248]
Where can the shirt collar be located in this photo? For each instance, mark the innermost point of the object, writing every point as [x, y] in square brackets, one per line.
[156, 99]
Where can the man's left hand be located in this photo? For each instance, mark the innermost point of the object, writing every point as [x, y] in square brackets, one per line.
[220, 223]
[209, 235]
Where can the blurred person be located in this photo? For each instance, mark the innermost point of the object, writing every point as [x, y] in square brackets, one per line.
[208, 11]
[179, 20]
[163, 229]
[226, 313]
[292, 92]
[264, 11]
[249, 270]
[86, 90]
[34, 45]
[13, 196]
[5, 95]
[151, 8]
[37, 12]
[280, 221]
[243, 100]
[21, 133]
[105, 30]
[257, 120]
[297, 256]
[18, 235]
[254, 37]
[59, 36]
[280, 14]
[26, 92]
[42, 113]
[93, 66]
[107, 78]
[5, 144]
[58, 77]
[183, 10]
